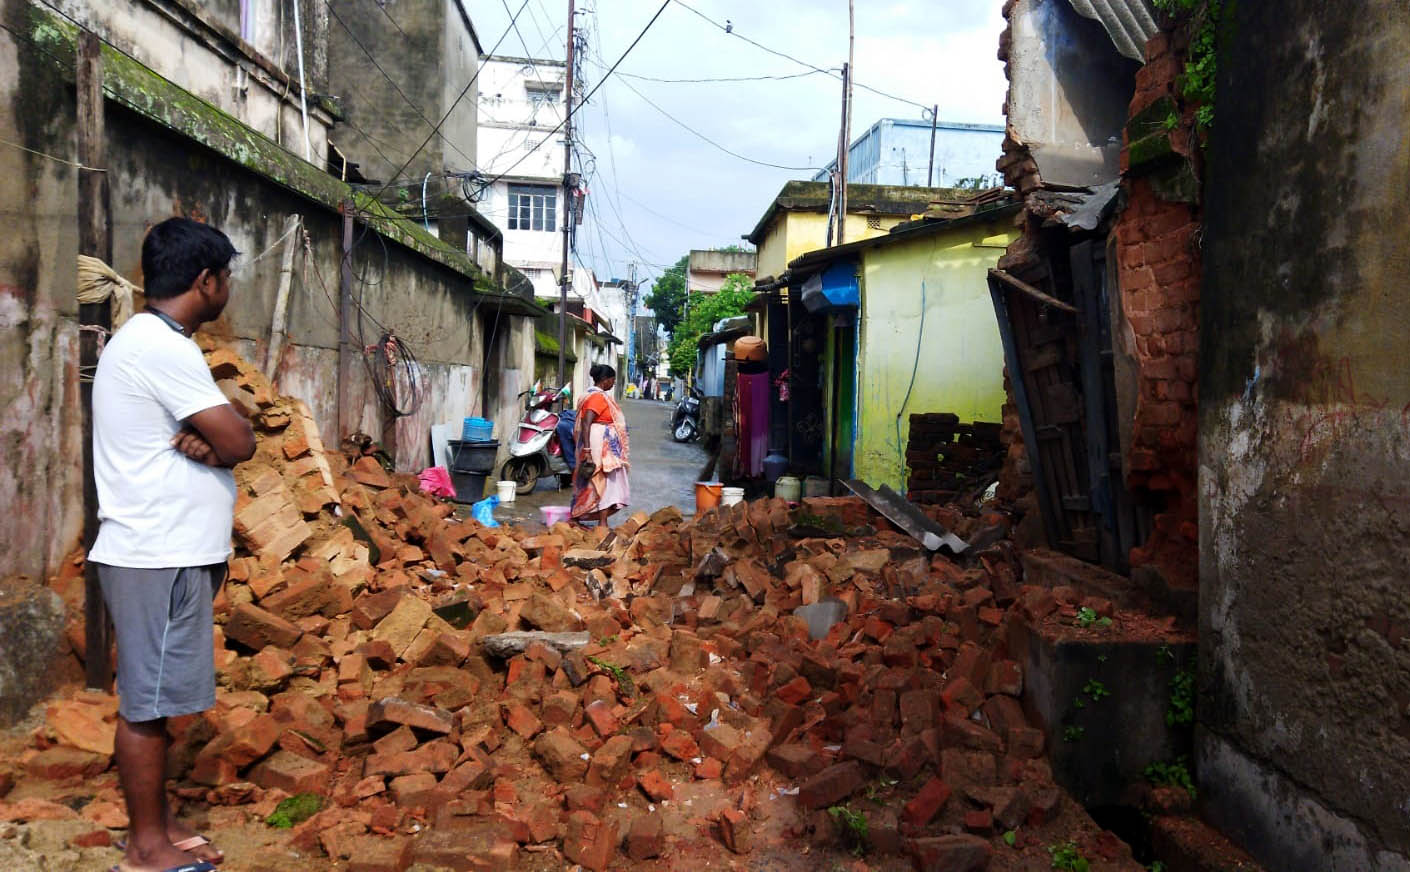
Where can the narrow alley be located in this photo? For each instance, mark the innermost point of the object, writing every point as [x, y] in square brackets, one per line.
[1044, 368]
[663, 471]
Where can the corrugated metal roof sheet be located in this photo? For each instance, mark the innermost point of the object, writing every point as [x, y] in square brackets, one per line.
[1130, 23]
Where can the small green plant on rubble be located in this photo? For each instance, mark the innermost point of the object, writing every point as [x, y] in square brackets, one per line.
[1066, 858]
[295, 810]
[1087, 617]
[1164, 656]
[624, 681]
[854, 827]
[876, 787]
[1173, 774]
[1096, 690]
[1073, 734]
[1011, 838]
[1201, 61]
[1156, 866]
[1182, 698]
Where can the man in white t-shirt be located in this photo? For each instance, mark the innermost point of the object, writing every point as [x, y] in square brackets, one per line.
[164, 442]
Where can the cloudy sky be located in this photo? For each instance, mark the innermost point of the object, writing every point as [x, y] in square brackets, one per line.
[659, 189]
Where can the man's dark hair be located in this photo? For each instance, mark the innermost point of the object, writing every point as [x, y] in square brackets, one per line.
[600, 372]
[176, 251]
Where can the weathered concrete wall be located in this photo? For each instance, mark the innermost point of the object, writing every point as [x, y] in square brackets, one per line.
[402, 282]
[198, 47]
[1305, 438]
[960, 367]
[425, 48]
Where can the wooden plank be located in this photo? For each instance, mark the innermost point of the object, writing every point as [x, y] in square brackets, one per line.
[1018, 382]
[1086, 291]
[95, 238]
[346, 420]
[1021, 285]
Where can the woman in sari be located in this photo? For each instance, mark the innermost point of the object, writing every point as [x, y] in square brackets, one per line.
[600, 480]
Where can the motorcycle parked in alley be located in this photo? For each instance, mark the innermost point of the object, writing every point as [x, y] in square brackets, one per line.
[538, 447]
[685, 422]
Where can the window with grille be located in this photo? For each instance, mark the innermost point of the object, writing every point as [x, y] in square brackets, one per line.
[533, 207]
[874, 222]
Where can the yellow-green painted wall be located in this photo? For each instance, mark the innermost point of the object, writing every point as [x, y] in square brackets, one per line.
[961, 361]
[794, 234]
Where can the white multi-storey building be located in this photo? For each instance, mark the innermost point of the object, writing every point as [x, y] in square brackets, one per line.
[522, 102]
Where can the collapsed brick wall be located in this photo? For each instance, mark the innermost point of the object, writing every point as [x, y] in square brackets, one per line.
[1158, 276]
[1158, 268]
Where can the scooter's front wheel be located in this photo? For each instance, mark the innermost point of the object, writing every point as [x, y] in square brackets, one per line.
[684, 431]
[523, 471]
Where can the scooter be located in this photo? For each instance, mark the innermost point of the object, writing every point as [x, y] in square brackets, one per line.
[685, 423]
[537, 449]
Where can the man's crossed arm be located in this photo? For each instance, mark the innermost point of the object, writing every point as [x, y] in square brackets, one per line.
[218, 436]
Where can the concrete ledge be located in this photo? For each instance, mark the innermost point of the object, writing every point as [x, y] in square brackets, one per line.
[1101, 705]
[1283, 825]
[31, 630]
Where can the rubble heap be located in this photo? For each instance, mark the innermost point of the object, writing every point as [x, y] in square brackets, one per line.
[477, 698]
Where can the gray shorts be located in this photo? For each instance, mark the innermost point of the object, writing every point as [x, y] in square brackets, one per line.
[165, 650]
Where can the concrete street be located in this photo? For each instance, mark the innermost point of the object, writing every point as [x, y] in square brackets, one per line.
[663, 471]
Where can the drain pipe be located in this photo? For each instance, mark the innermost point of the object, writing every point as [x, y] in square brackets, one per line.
[303, 86]
[425, 218]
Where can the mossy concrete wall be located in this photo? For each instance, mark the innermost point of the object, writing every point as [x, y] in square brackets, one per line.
[1304, 748]
[171, 154]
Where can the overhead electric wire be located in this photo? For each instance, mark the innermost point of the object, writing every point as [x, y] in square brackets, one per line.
[585, 99]
[463, 91]
[720, 78]
[697, 134]
[395, 87]
[730, 30]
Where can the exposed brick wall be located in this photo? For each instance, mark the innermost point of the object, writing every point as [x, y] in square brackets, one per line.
[1158, 263]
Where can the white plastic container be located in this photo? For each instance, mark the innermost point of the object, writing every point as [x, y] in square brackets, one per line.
[731, 495]
[788, 487]
[506, 490]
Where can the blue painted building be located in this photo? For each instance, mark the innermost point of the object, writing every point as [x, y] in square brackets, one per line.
[896, 151]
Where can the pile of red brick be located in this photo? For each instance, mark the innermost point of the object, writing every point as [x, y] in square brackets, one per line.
[667, 658]
[948, 459]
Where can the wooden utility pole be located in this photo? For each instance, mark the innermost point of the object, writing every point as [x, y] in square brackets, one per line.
[95, 238]
[847, 76]
[346, 418]
[930, 170]
[841, 172]
[566, 210]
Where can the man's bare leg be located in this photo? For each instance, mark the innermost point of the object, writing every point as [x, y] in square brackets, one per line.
[141, 759]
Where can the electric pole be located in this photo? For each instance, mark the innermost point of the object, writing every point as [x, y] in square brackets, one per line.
[847, 76]
[568, 187]
[930, 170]
[631, 322]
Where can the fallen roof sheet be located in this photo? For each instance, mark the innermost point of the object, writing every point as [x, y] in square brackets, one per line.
[1129, 23]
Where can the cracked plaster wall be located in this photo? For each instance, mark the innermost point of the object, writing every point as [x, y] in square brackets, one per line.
[1304, 752]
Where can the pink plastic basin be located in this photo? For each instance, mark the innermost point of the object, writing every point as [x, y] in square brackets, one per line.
[553, 514]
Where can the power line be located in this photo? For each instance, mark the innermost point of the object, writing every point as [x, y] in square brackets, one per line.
[732, 32]
[437, 128]
[721, 78]
[585, 99]
[703, 137]
[385, 75]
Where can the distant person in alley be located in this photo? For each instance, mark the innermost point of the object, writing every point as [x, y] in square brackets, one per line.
[164, 442]
[600, 485]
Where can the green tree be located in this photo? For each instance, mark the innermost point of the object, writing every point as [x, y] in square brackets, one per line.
[704, 311]
[667, 297]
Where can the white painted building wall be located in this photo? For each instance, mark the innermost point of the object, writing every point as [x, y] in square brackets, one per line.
[520, 102]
